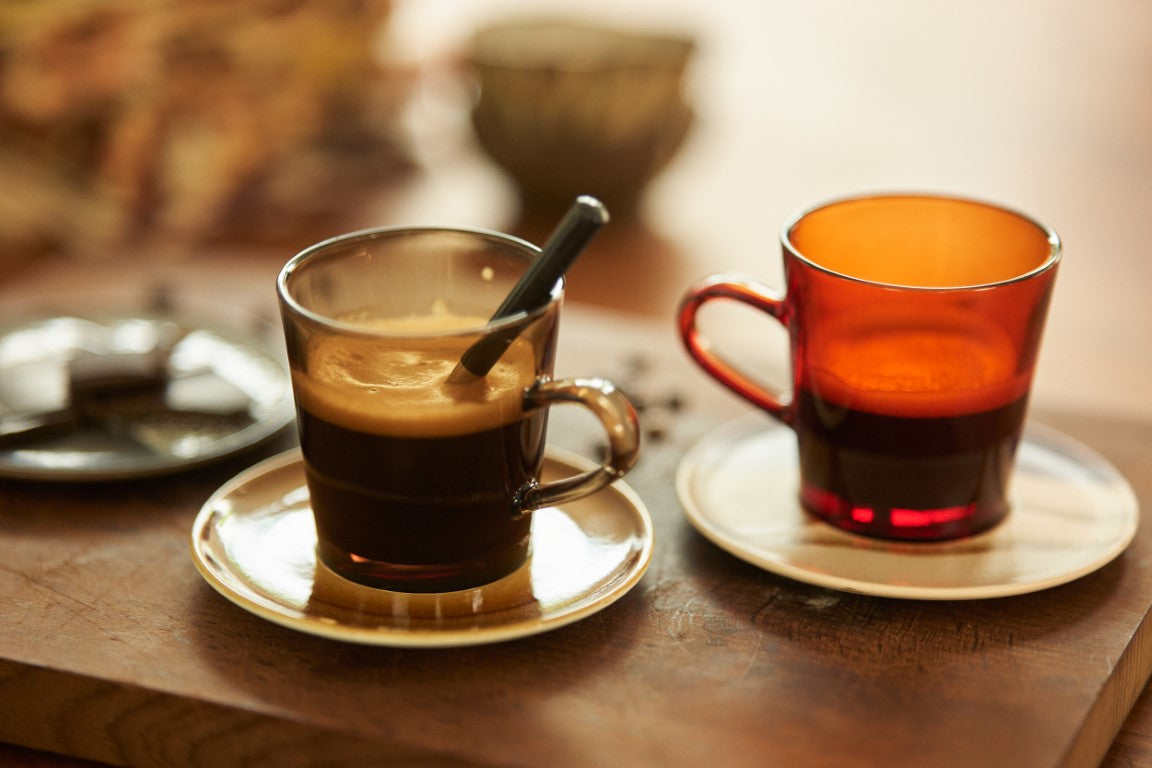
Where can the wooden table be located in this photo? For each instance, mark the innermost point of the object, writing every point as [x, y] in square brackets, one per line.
[113, 649]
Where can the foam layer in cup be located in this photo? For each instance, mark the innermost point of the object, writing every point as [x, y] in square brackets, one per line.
[948, 367]
[397, 385]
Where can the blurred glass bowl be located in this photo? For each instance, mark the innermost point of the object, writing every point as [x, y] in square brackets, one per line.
[573, 107]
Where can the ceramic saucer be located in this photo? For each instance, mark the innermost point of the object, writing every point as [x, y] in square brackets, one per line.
[228, 390]
[1072, 513]
[254, 542]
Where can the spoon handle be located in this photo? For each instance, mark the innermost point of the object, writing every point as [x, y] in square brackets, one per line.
[582, 221]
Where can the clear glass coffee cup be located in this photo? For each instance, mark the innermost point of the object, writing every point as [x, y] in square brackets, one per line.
[417, 483]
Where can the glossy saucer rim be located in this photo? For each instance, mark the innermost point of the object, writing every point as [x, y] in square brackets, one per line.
[613, 524]
[1073, 513]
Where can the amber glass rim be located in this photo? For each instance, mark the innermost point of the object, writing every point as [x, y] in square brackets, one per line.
[1055, 247]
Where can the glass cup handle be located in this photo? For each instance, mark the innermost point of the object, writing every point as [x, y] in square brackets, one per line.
[617, 416]
[745, 291]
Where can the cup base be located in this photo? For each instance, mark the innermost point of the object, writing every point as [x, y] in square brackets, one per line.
[900, 524]
[423, 577]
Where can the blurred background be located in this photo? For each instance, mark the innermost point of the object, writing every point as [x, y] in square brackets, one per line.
[142, 132]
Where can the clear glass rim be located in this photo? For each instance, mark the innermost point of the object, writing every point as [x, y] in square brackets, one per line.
[373, 234]
[1055, 247]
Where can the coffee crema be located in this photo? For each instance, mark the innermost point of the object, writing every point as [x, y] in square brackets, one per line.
[397, 385]
[916, 368]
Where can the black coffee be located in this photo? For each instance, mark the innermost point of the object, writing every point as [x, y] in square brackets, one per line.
[420, 513]
[906, 477]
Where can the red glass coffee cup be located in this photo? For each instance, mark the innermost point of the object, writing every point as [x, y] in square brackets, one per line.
[914, 324]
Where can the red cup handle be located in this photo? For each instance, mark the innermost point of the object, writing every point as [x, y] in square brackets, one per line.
[745, 291]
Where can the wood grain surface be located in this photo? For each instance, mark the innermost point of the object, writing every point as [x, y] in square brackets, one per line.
[113, 649]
